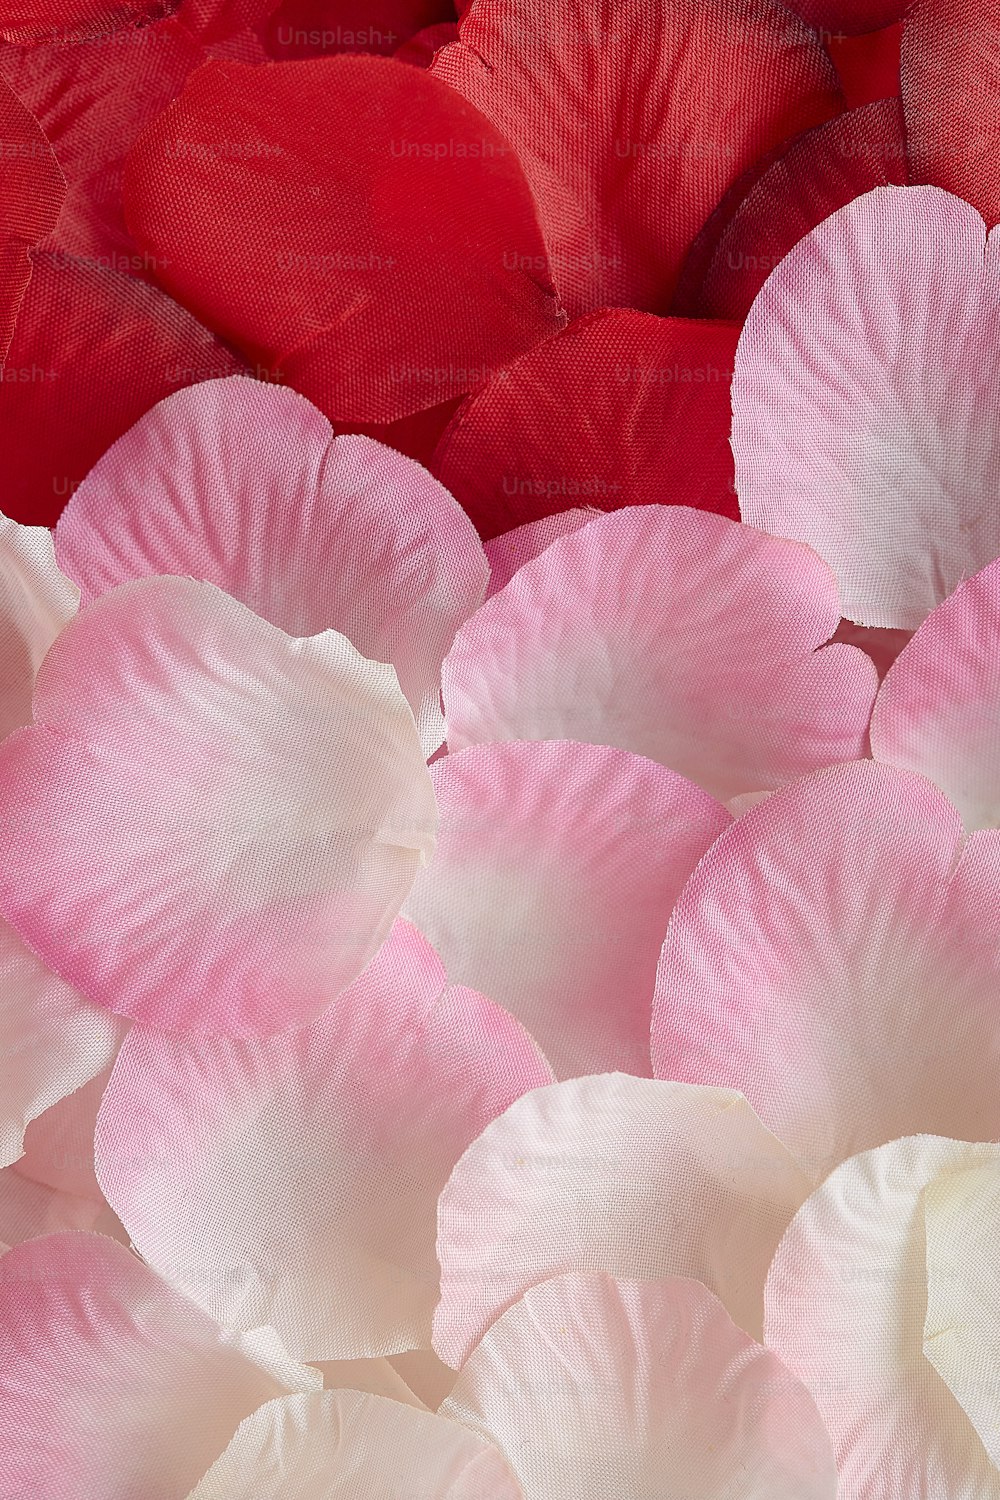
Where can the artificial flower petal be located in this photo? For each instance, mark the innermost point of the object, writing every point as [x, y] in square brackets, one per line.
[835, 960]
[868, 65]
[92, 351]
[32, 192]
[243, 485]
[305, 1196]
[512, 549]
[315, 28]
[209, 826]
[690, 93]
[636, 631]
[361, 228]
[342, 1445]
[607, 1388]
[556, 869]
[632, 1176]
[852, 16]
[622, 408]
[29, 1209]
[36, 602]
[840, 437]
[937, 710]
[104, 1367]
[420, 50]
[846, 1302]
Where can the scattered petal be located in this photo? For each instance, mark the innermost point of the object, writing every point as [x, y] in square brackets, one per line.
[512, 549]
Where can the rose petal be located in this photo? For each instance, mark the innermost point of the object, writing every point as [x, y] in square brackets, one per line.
[851, 16]
[244, 485]
[29, 1209]
[846, 1299]
[869, 65]
[834, 960]
[510, 551]
[209, 826]
[421, 49]
[32, 191]
[556, 870]
[598, 1387]
[36, 602]
[630, 1176]
[305, 1196]
[677, 635]
[104, 1366]
[841, 437]
[620, 409]
[316, 259]
[632, 121]
[342, 1445]
[314, 28]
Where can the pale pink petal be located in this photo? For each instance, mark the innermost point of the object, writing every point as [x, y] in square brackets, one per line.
[865, 400]
[29, 1209]
[36, 601]
[835, 961]
[209, 826]
[511, 550]
[605, 1389]
[846, 1302]
[630, 1176]
[51, 1040]
[556, 870]
[112, 1385]
[305, 1194]
[677, 635]
[243, 485]
[343, 1445]
[938, 710]
[882, 645]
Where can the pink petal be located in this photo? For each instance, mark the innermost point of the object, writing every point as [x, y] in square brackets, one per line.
[209, 826]
[867, 376]
[835, 961]
[306, 1191]
[677, 635]
[111, 1384]
[342, 1445]
[938, 710]
[512, 549]
[556, 870]
[595, 1387]
[29, 1209]
[244, 485]
[630, 1176]
[36, 601]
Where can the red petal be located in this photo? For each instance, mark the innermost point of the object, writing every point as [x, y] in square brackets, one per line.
[64, 20]
[822, 171]
[315, 28]
[632, 121]
[623, 408]
[420, 49]
[951, 98]
[31, 194]
[92, 351]
[868, 65]
[416, 436]
[349, 222]
[832, 18]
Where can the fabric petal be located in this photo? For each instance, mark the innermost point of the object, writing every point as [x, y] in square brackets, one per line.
[634, 631]
[36, 602]
[834, 960]
[605, 1388]
[103, 1368]
[209, 826]
[314, 258]
[852, 16]
[937, 710]
[846, 1299]
[841, 438]
[869, 65]
[243, 485]
[690, 94]
[420, 50]
[631, 1176]
[29, 1209]
[315, 28]
[622, 408]
[32, 192]
[305, 1196]
[376, 1376]
[556, 870]
[340, 1445]
[511, 550]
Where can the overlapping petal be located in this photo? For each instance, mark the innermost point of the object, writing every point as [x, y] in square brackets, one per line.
[622, 408]
[675, 634]
[867, 381]
[36, 602]
[834, 957]
[315, 28]
[592, 1386]
[512, 549]
[209, 826]
[634, 1177]
[690, 93]
[852, 1282]
[301, 230]
[103, 1368]
[32, 191]
[556, 869]
[342, 1445]
[306, 1191]
[243, 485]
